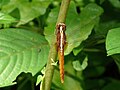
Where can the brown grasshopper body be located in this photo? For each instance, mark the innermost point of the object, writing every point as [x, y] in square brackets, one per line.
[61, 41]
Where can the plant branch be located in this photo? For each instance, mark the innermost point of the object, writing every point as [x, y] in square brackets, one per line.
[63, 11]
[53, 53]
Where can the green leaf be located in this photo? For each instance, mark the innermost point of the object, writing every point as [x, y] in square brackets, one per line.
[6, 19]
[79, 67]
[78, 49]
[102, 1]
[115, 3]
[103, 27]
[113, 41]
[4, 2]
[20, 51]
[28, 10]
[79, 27]
[39, 79]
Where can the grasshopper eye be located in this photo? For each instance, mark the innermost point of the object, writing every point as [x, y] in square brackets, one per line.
[61, 26]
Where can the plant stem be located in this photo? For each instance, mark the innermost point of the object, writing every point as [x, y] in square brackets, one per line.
[63, 11]
[53, 53]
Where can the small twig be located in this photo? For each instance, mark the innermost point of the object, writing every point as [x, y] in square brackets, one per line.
[53, 53]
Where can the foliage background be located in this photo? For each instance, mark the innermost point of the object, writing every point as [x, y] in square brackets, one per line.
[92, 59]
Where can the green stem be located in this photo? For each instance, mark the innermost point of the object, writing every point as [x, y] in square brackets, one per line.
[63, 11]
[53, 53]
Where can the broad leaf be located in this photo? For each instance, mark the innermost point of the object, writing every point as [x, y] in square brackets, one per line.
[28, 10]
[20, 51]
[4, 2]
[6, 19]
[103, 27]
[113, 41]
[115, 3]
[79, 27]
